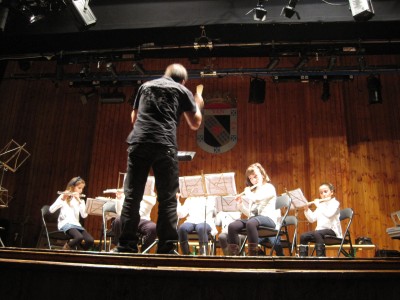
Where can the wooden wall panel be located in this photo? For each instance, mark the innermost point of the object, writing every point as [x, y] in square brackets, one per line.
[301, 141]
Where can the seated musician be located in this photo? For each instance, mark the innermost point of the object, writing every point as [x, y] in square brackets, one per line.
[327, 217]
[196, 209]
[146, 227]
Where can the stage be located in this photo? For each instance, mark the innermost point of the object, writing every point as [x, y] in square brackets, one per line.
[57, 274]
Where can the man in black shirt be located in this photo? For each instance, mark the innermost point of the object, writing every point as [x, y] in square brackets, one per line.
[157, 108]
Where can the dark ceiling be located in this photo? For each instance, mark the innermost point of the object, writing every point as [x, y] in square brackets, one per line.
[171, 29]
[125, 30]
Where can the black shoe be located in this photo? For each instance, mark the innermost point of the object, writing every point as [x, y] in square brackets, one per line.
[124, 249]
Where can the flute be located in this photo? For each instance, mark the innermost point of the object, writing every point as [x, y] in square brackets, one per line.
[71, 194]
[318, 200]
[244, 192]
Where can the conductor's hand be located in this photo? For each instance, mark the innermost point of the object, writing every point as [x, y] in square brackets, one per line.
[199, 100]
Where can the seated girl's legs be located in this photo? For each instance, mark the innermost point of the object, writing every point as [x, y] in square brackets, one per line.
[89, 241]
[76, 239]
[148, 231]
[316, 236]
[233, 231]
[183, 231]
[252, 233]
[203, 234]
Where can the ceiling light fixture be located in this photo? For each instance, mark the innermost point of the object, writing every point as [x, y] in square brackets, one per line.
[289, 10]
[260, 13]
[82, 12]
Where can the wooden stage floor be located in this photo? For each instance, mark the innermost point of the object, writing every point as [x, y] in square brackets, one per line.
[56, 274]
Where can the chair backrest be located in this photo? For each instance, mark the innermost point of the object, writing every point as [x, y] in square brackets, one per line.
[109, 207]
[346, 214]
[290, 220]
[283, 201]
[49, 218]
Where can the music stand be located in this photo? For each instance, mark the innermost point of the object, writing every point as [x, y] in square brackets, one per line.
[12, 156]
[205, 185]
[298, 201]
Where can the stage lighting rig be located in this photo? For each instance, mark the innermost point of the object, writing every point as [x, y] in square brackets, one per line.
[260, 13]
[289, 10]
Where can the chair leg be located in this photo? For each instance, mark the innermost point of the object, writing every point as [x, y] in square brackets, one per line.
[303, 250]
[320, 249]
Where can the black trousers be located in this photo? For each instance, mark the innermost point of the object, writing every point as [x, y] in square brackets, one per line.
[164, 163]
[316, 236]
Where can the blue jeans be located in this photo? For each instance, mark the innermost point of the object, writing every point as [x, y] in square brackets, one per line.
[187, 227]
[164, 163]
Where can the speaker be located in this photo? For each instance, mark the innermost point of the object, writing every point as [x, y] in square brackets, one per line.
[374, 90]
[257, 90]
[361, 10]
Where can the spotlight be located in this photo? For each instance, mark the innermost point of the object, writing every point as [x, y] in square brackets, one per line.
[325, 90]
[28, 13]
[289, 10]
[111, 69]
[84, 72]
[3, 17]
[260, 13]
[273, 62]
[374, 89]
[82, 12]
[361, 10]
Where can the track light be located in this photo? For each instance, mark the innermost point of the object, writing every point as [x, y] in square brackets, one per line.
[289, 10]
[374, 90]
[111, 69]
[29, 15]
[260, 13]
[84, 72]
[3, 17]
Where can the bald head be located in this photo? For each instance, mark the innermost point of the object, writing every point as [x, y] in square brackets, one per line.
[177, 72]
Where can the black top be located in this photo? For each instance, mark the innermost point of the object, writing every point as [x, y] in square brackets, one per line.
[160, 103]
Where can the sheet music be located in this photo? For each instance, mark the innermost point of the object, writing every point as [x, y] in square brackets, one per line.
[220, 184]
[226, 204]
[191, 186]
[298, 199]
[94, 207]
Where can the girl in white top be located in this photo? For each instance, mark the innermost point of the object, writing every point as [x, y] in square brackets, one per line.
[195, 209]
[261, 211]
[71, 207]
[327, 217]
